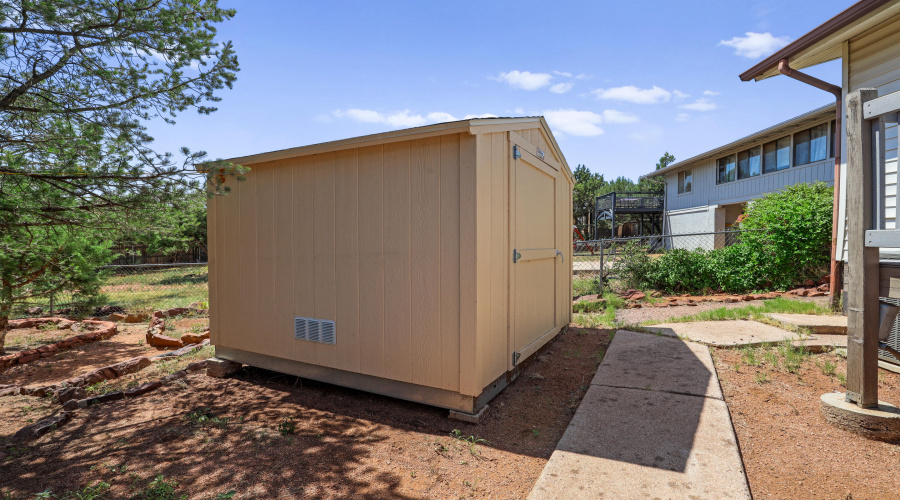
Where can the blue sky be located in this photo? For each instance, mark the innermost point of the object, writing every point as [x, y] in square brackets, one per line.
[620, 82]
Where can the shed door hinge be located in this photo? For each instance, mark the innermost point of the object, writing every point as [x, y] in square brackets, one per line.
[516, 153]
[516, 256]
[515, 358]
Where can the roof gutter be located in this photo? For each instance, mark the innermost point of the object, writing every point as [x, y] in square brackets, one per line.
[785, 69]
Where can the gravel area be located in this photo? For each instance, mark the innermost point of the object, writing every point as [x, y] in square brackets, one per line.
[661, 314]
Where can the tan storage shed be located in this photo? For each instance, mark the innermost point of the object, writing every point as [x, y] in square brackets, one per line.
[422, 264]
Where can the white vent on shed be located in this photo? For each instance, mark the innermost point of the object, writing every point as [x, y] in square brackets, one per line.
[314, 330]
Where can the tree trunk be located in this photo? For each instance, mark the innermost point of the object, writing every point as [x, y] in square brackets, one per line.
[4, 327]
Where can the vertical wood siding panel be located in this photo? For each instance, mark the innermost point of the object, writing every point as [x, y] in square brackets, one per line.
[397, 289]
[303, 252]
[323, 247]
[283, 259]
[264, 333]
[498, 333]
[371, 255]
[249, 301]
[347, 264]
[468, 267]
[449, 251]
[215, 303]
[483, 232]
[425, 196]
[230, 267]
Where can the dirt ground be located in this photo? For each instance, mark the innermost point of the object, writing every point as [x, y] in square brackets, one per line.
[789, 451]
[129, 342]
[267, 435]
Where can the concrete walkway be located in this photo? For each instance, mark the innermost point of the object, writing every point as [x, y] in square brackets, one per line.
[740, 333]
[653, 424]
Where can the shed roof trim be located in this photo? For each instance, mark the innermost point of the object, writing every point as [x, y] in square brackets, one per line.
[823, 43]
[405, 134]
[775, 130]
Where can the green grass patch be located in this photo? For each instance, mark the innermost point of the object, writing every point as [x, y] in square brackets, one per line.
[585, 285]
[776, 305]
[151, 289]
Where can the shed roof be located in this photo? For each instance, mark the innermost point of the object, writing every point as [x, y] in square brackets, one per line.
[772, 132]
[473, 126]
[824, 43]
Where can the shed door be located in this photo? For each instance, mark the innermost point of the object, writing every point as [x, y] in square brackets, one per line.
[536, 260]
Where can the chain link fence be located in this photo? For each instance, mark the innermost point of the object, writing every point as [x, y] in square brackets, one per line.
[142, 287]
[596, 263]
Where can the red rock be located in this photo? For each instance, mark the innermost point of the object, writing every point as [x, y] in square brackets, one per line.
[130, 366]
[28, 359]
[194, 338]
[693, 304]
[143, 389]
[747, 298]
[661, 304]
[637, 296]
[177, 311]
[809, 283]
[116, 316]
[158, 340]
[729, 299]
[816, 294]
[824, 280]
[48, 348]
[158, 314]
[197, 365]
[42, 426]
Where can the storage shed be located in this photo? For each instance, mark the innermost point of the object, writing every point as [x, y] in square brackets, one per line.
[423, 264]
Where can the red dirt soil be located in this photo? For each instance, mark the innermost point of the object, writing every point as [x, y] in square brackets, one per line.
[789, 450]
[347, 444]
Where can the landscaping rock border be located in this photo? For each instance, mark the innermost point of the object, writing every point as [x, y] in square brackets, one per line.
[155, 332]
[634, 298]
[107, 329]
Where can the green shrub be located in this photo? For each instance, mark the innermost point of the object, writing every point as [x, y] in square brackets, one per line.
[788, 243]
[794, 240]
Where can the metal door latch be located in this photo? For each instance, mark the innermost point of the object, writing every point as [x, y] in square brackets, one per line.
[516, 256]
[516, 153]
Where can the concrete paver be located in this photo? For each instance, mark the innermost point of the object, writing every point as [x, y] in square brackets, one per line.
[643, 361]
[741, 333]
[827, 325]
[653, 424]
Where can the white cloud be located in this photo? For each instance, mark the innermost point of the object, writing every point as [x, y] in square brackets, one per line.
[574, 122]
[613, 116]
[561, 88]
[682, 117]
[679, 95]
[519, 111]
[710, 92]
[525, 80]
[630, 93]
[399, 119]
[756, 45]
[563, 73]
[700, 105]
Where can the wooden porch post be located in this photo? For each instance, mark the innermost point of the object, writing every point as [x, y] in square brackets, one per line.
[862, 297]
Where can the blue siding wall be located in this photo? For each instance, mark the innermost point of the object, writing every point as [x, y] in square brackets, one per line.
[706, 192]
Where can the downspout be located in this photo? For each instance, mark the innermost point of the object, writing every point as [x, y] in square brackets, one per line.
[785, 69]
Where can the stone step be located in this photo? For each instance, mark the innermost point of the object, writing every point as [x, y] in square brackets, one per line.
[824, 325]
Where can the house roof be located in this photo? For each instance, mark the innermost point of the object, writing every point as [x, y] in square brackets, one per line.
[824, 43]
[473, 126]
[763, 135]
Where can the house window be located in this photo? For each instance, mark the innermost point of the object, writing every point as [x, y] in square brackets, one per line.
[811, 145]
[748, 163]
[726, 169]
[831, 146]
[777, 155]
[685, 181]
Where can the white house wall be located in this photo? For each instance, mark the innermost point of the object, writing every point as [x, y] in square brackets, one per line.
[872, 60]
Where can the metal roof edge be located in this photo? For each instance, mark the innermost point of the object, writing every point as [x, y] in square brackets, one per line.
[825, 110]
[846, 17]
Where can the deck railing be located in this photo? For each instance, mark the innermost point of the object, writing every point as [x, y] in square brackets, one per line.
[630, 201]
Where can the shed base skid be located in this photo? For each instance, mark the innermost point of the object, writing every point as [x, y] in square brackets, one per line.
[386, 387]
[469, 418]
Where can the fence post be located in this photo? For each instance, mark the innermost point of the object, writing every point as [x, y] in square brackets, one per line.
[862, 296]
[51, 305]
[600, 279]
